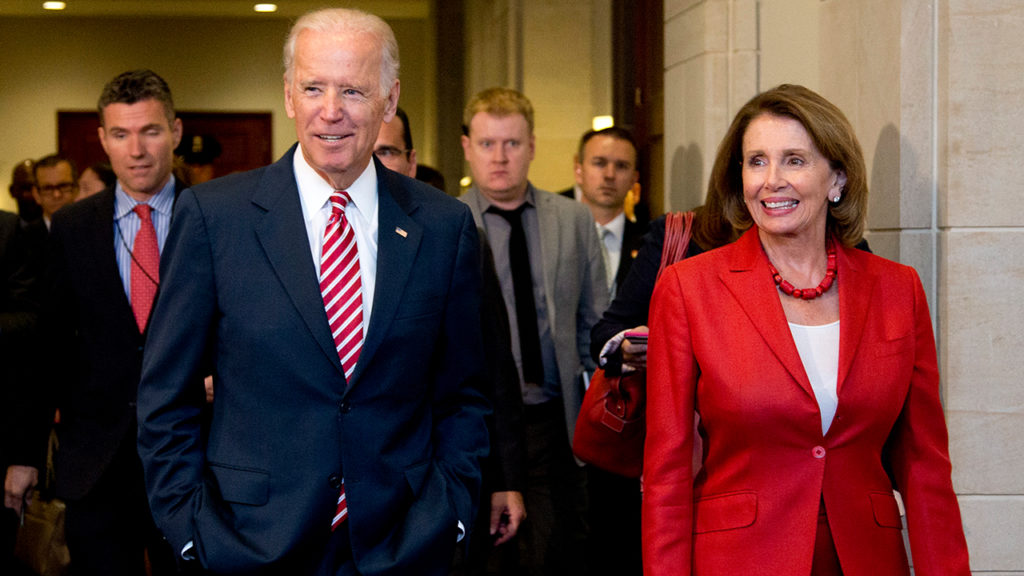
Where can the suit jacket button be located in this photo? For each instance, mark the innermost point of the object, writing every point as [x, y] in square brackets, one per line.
[345, 407]
[335, 481]
[818, 452]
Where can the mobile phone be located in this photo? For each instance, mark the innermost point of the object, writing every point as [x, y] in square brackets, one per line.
[637, 337]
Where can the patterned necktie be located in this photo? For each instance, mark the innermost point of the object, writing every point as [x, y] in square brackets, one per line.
[145, 271]
[340, 284]
[342, 291]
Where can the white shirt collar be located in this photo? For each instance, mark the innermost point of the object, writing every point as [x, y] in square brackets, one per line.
[315, 192]
[617, 226]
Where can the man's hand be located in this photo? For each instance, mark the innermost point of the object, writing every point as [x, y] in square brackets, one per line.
[507, 512]
[20, 480]
[634, 354]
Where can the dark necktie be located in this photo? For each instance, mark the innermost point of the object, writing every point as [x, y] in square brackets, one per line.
[522, 287]
[145, 273]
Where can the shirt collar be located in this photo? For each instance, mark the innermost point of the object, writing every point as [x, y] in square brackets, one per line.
[617, 226]
[315, 192]
[162, 202]
[530, 199]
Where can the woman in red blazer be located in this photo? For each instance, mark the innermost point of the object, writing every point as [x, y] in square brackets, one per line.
[812, 366]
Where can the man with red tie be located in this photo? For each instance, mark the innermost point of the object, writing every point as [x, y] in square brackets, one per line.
[102, 276]
[336, 303]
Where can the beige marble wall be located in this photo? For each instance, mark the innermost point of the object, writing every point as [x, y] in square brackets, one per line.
[710, 70]
[980, 84]
[556, 52]
[934, 89]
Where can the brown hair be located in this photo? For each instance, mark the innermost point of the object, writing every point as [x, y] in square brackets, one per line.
[135, 86]
[831, 133]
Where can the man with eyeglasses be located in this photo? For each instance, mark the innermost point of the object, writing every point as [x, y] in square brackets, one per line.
[394, 145]
[55, 184]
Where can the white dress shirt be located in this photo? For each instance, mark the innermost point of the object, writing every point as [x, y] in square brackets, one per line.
[361, 213]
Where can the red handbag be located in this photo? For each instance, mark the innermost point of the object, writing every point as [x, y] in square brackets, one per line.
[610, 428]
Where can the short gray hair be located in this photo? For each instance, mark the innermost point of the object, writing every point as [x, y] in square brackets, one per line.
[346, 20]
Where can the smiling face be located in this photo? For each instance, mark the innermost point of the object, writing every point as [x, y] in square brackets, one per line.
[606, 172]
[140, 142]
[499, 150]
[787, 182]
[335, 99]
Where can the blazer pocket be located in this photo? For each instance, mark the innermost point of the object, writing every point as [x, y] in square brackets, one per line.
[242, 485]
[902, 345]
[724, 512]
[887, 512]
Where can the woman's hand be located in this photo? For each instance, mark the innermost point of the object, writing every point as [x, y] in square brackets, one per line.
[634, 351]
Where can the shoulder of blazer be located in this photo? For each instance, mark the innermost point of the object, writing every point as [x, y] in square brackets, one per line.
[85, 214]
[411, 194]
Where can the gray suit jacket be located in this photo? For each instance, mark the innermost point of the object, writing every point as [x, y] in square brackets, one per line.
[574, 284]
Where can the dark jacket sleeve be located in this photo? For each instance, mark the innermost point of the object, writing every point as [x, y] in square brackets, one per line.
[20, 265]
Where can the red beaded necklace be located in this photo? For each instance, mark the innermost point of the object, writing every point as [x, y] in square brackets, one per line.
[808, 293]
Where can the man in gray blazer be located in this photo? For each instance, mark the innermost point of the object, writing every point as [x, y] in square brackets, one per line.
[549, 263]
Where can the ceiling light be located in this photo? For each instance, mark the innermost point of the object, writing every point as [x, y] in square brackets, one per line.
[602, 122]
[54, 5]
[265, 7]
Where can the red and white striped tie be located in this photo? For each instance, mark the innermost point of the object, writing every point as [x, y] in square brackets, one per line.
[342, 291]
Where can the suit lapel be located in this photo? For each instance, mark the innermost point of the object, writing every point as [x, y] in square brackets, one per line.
[281, 232]
[550, 246]
[106, 259]
[398, 241]
[750, 283]
[856, 290]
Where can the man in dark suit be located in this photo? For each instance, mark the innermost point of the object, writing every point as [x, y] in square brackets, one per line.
[101, 279]
[18, 312]
[340, 442]
[606, 170]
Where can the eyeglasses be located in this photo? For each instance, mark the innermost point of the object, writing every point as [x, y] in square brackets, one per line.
[53, 189]
[386, 152]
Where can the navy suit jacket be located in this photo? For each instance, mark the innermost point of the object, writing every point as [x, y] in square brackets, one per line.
[255, 487]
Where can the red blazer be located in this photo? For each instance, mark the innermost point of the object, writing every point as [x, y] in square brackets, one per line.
[720, 344]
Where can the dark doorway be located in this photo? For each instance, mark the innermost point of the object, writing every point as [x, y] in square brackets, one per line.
[638, 73]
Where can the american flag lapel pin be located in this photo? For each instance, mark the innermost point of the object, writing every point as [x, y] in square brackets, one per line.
[401, 232]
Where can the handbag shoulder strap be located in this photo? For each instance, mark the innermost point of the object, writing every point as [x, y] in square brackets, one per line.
[678, 229]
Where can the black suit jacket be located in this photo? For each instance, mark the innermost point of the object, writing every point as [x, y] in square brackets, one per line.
[240, 297]
[87, 316]
[632, 240]
[19, 308]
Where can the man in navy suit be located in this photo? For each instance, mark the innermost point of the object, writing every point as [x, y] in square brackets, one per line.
[257, 487]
